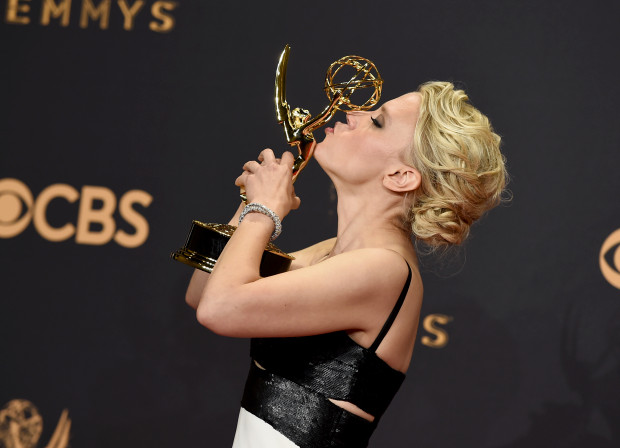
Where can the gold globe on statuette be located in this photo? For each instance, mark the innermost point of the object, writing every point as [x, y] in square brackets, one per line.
[345, 79]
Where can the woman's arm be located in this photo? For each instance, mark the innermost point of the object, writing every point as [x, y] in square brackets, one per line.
[303, 258]
[346, 291]
[277, 178]
[200, 278]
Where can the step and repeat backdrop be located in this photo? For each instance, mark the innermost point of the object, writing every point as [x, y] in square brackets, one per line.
[123, 120]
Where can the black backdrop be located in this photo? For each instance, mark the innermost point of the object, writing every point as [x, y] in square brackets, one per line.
[119, 132]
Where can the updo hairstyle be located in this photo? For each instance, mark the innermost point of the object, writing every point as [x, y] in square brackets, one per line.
[458, 156]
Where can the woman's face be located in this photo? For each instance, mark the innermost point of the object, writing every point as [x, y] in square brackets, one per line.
[370, 142]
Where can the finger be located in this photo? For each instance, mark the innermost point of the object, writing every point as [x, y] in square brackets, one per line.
[288, 158]
[240, 181]
[251, 166]
[296, 203]
[267, 156]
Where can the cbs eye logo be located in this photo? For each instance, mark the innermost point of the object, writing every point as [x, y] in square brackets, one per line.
[609, 259]
[94, 224]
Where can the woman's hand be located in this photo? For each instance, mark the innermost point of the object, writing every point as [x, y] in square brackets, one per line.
[270, 182]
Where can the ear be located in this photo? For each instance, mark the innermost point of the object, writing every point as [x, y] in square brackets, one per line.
[405, 178]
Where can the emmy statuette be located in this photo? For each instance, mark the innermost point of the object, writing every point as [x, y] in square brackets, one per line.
[206, 241]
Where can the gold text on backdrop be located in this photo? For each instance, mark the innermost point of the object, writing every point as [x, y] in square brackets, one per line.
[430, 324]
[88, 13]
[95, 223]
[609, 259]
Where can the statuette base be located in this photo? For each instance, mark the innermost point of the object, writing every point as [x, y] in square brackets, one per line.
[206, 241]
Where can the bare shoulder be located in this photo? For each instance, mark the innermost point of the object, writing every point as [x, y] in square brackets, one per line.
[383, 266]
[374, 269]
[309, 255]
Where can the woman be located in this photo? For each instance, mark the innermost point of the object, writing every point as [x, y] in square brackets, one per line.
[333, 336]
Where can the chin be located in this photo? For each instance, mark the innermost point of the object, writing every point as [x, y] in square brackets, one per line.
[318, 151]
[323, 162]
[318, 154]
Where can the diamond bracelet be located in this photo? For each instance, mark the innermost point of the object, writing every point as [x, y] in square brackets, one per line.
[260, 208]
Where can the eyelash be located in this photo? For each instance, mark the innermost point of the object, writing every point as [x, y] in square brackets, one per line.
[376, 122]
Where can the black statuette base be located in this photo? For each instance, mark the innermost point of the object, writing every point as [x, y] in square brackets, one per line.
[206, 242]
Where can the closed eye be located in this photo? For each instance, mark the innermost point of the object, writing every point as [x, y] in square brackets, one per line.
[376, 122]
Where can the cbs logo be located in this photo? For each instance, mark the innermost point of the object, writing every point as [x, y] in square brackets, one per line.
[609, 259]
[94, 224]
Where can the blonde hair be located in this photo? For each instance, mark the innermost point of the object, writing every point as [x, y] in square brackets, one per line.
[458, 156]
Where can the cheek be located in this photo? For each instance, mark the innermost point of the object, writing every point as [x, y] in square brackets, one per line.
[330, 150]
[358, 168]
[333, 161]
[351, 158]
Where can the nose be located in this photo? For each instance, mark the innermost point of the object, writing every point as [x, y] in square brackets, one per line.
[353, 117]
[350, 119]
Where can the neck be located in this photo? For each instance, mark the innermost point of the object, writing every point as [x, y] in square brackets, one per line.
[370, 218]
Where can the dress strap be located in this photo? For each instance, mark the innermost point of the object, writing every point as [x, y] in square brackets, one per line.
[393, 314]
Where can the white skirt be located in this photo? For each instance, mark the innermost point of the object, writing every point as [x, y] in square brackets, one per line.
[252, 432]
